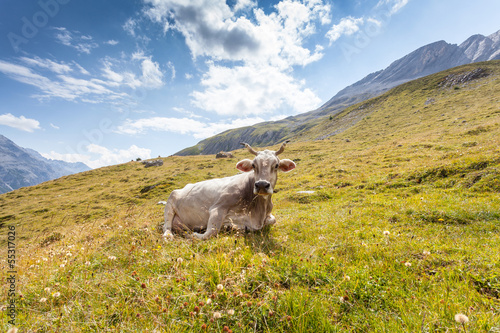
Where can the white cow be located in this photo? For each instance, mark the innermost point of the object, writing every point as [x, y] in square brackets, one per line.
[242, 201]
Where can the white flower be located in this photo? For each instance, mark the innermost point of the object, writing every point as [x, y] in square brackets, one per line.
[209, 301]
[47, 289]
[220, 287]
[230, 312]
[426, 252]
[408, 264]
[112, 258]
[87, 263]
[180, 260]
[61, 265]
[56, 294]
[217, 315]
[347, 277]
[387, 232]
[461, 318]
[43, 300]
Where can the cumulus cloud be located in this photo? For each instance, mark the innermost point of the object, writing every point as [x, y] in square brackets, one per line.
[252, 90]
[21, 123]
[99, 156]
[251, 53]
[198, 129]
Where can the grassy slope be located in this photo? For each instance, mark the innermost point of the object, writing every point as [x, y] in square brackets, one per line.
[427, 174]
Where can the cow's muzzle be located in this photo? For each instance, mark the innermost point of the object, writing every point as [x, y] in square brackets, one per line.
[262, 187]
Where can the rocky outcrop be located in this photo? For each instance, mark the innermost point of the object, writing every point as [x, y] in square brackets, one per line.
[148, 164]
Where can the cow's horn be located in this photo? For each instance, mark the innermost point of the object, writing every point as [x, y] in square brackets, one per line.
[250, 149]
[282, 148]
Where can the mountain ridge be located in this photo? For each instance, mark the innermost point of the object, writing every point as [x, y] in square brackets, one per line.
[426, 60]
[20, 167]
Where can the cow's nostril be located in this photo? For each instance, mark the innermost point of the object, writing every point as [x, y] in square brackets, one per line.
[262, 184]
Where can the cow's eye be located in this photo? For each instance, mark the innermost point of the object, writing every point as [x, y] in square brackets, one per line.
[277, 166]
[253, 165]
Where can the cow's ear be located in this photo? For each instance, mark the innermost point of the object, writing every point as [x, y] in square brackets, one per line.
[245, 165]
[287, 165]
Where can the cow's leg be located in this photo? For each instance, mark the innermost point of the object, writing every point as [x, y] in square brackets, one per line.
[169, 218]
[214, 224]
[270, 220]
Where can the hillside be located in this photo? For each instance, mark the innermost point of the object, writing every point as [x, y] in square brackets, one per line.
[20, 167]
[426, 60]
[398, 230]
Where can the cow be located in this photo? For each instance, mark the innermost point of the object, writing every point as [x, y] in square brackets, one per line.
[242, 201]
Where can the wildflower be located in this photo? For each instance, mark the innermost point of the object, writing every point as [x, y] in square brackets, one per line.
[47, 289]
[43, 300]
[426, 252]
[220, 287]
[204, 326]
[180, 260]
[68, 254]
[143, 285]
[209, 301]
[230, 312]
[461, 318]
[347, 277]
[44, 259]
[56, 294]
[112, 258]
[408, 264]
[217, 315]
[61, 265]
[12, 330]
[343, 299]
[87, 263]
[387, 232]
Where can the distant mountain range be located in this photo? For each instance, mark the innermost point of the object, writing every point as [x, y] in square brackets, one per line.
[20, 167]
[429, 59]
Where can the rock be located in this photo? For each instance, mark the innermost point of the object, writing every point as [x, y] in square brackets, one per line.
[148, 164]
[223, 154]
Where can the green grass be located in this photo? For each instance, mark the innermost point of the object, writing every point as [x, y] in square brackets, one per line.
[401, 233]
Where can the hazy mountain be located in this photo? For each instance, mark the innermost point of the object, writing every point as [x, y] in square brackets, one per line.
[429, 59]
[20, 167]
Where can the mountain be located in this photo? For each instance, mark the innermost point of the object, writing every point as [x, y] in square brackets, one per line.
[20, 167]
[402, 217]
[426, 60]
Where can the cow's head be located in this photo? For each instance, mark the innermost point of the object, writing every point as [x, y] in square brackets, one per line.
[265, 166]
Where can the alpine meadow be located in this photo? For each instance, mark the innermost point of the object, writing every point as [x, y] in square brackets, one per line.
[389, 223]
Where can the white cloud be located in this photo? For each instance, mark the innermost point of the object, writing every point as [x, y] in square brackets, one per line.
[54, 126]
[112, 42]
[82, 43]
[245, 90]
[53, 66]
[394, 6]
[99, 156]
[198, 129]
[252, 53]
[347, 26]
[64, 80]
[152, 76]
[22, 123]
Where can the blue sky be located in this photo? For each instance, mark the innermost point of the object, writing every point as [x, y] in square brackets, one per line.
[104, 82]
